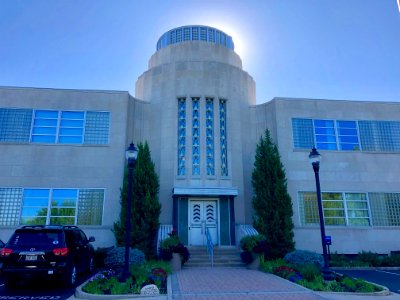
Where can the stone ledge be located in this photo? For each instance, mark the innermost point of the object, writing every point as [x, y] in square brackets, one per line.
[79, 294]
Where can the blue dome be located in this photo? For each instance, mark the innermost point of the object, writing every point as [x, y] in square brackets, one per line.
[195, 33]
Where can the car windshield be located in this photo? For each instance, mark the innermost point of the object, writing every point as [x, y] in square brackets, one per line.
[34, 237]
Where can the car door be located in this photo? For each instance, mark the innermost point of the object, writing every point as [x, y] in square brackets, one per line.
[83, 250]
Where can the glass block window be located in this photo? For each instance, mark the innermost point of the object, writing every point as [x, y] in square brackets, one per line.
[223, 137]
[303, 136]
[195, 136]
[97, 127]
[380, 135]
[348, 135]
[186, 34]
[195, 33]
[45, 126]
[35, 204]
[181, 136]
[15, 124]
[203, 33]
[385, 209]
[71, 127]
[63, 206]
[90, 206]
[10, 206]
[211, 35]
[340, 209]
[308, 208]
[210, 136]
[179, 35]
[325, 135]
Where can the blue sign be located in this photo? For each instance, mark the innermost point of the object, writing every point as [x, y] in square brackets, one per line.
[328, 240]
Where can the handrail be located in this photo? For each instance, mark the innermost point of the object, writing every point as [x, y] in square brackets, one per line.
[210, 246]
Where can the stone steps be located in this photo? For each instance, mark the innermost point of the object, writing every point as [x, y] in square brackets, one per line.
[223, 257]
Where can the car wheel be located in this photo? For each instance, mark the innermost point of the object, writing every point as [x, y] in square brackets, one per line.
[70, 278]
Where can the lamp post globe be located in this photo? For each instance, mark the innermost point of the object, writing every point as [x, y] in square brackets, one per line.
[131, 154]
[315, 159]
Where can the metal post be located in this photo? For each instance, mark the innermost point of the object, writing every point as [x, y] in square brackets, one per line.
[128, 221]
[327, 274]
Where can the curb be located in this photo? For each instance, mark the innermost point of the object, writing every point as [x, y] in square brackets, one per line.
[79, 294]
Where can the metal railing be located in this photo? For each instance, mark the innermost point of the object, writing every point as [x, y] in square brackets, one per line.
[163, 232]
[210, 246]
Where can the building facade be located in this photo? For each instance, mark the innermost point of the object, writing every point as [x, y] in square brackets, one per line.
[62, 152]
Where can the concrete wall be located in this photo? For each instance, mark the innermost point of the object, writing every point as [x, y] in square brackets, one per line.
[69, 166]
[196, 69]
[341, 171]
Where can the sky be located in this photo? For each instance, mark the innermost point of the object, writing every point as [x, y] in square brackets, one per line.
[341, 49]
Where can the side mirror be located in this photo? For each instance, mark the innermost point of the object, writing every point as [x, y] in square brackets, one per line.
[91, 239]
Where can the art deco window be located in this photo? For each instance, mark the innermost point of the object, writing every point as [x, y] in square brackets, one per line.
[195, 136]
[340, 209]
[181, 136]
[210, 136]
[57, 206]
[15, 125]
[223, 137]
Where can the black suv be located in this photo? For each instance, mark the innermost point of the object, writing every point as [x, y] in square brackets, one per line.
[53, 252]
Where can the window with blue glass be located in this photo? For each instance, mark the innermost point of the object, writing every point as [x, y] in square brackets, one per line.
[325, 134]
[57, 206]
[44, 129]
[223, 137]
[348, 135]
[15, 125]
[181, 136]
[210, 136]
[195, 136]
[71, 127]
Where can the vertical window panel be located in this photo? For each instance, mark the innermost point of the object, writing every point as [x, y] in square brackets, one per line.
[45, 126]
[303, 135]
[195, 136]
[380, 136]
[325, 137]
[35, 207]
[210, 136]
[97, 128]
[223, 137]
[348, 135]
[181, 136]
[385, 209]
[71, 127]
[90, 207]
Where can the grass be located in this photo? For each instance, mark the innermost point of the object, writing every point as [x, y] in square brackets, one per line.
[309, 276]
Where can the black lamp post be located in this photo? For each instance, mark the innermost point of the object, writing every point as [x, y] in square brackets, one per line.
[130, 155]
[315, 159]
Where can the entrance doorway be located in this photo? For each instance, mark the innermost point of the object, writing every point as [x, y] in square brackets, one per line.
[202, 214]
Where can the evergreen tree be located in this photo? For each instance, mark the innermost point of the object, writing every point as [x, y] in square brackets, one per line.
[271, 201]
[145, 205]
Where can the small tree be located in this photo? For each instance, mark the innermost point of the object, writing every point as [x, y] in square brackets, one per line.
[145, 205]
[271, 201]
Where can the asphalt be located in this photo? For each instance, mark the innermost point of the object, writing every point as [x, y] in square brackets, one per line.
[240, 283]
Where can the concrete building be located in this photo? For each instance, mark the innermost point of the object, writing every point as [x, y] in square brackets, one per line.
[62, 152]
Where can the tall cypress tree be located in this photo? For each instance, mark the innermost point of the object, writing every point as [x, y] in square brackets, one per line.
[145, 205]
[271, 201]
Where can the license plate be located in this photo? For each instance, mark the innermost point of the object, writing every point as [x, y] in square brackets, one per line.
[31, 257]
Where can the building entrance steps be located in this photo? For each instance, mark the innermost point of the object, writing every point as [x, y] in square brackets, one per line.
[234, 284]
[223, 257]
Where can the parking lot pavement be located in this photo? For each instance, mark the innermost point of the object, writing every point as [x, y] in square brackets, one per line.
[386, 277]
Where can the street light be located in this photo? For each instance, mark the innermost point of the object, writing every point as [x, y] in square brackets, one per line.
[315, 159]
[130, 154]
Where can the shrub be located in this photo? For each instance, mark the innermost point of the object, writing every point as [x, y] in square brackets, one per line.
[371, 258]
[116, 257]
[310, 272]
[100, 255]
[172, 244]
[270, 265]
[300, 257]
[249, 242]
[391, 261]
